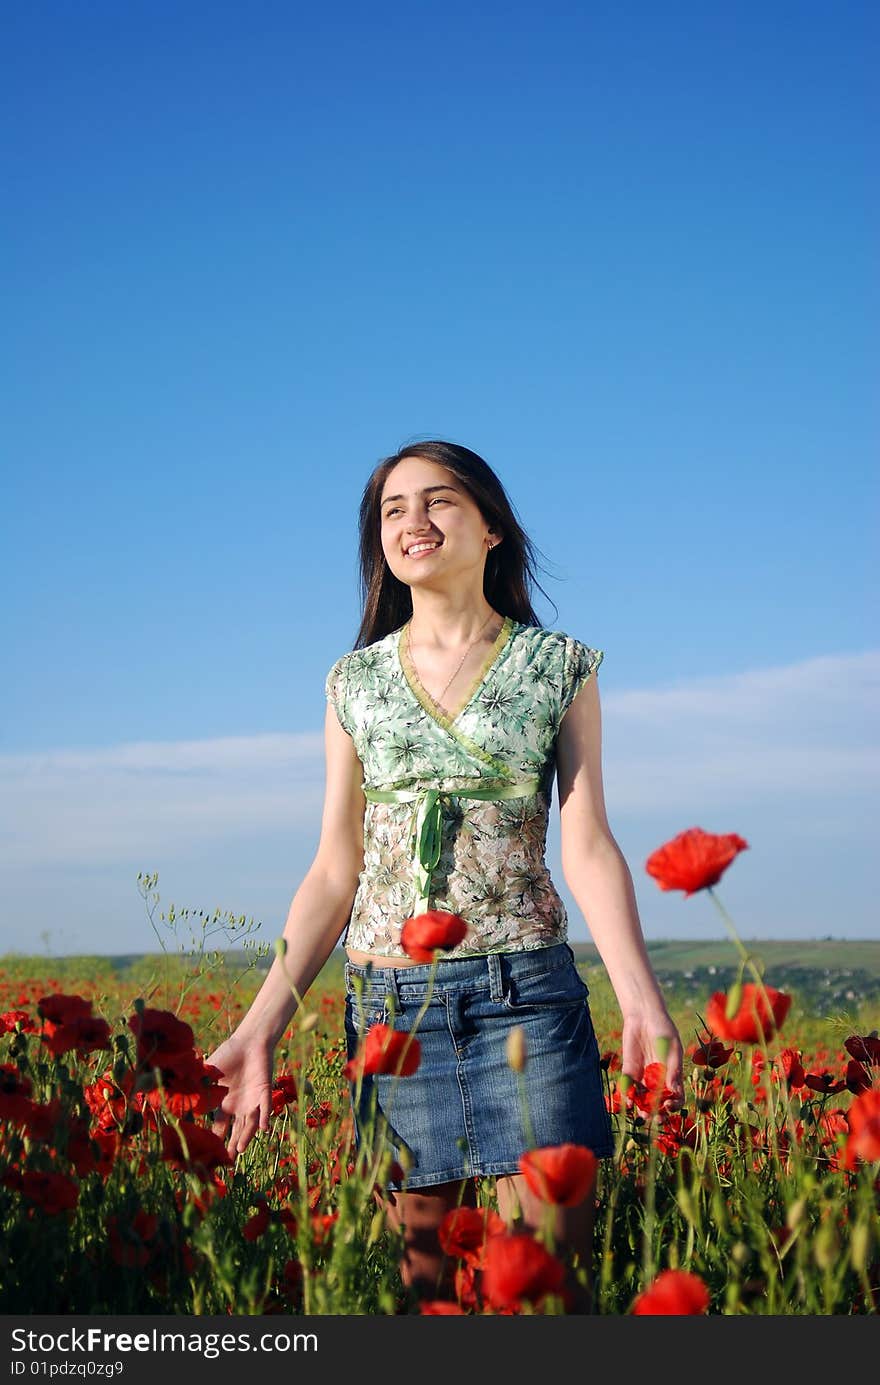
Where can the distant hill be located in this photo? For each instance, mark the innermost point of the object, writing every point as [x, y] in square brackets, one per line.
[828, 974]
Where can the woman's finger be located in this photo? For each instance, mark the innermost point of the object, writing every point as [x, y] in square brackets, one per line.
[219, 1123]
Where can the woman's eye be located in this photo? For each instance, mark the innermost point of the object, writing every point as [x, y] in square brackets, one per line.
[395, 509]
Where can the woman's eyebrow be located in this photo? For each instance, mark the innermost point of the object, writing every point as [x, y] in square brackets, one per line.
[427, 491]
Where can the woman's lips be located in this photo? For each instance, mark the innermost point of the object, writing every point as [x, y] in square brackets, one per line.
[424, 552]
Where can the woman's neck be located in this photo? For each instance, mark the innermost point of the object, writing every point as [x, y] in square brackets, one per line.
[449, 623]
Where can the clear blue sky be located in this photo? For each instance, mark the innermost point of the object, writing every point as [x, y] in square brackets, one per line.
[627, 253]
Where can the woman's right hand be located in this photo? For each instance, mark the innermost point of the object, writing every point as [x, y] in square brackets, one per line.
[246, 1065]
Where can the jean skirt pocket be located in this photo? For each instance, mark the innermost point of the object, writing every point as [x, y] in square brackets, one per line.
[529, 982]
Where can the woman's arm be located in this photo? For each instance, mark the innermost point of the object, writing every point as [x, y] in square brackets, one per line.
[322, 905]
[320, 910]
[599, 878]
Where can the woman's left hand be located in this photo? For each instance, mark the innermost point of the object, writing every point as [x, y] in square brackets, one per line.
[641, 1031]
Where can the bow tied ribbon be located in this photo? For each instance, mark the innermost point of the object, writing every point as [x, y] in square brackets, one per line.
[426, 837]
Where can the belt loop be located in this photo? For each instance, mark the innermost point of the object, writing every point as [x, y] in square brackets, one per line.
[496, 982]
[391, 985]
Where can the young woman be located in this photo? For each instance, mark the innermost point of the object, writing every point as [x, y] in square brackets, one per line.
[445, 727]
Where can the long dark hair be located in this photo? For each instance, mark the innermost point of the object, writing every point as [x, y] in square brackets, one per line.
[509, 573]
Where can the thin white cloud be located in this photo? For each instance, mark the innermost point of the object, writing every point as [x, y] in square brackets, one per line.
[806, 730]
[155, 800]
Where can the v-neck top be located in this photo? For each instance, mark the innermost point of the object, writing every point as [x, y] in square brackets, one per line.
[491, 868]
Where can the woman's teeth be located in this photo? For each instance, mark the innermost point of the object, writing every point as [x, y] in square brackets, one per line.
[421, 548]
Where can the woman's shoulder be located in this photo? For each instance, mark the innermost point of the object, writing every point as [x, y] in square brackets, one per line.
[558, 644]
[557, 662]
[366, 657]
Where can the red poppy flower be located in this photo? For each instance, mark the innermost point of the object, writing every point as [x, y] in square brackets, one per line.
[14, 1018]
[757, 1018]
[863, 1123]
[321, 1224]
[712, 1054]
[789, 1060]
[291, 1278]
[437, 1307]
[107, 1099]
[76, 1146]
[42, 1121]
[866, 1048]
[674, 1293]
[204, 1150]
[109, 1146]
[284, 1217]
[86, 1034]
[694, 860]
[651, 1094]
[464, 1232]
[131, 1242]
[517, 1268]
[562, 1174]
[677, 1131]
[159, 1034]
[832, 1124]
[256, 1225]
[283, 1092]
[53, 1192]
[464, 1282]
[15, 1089]
[385, 1050]
[858, 1079]
[188, 1085]
[421, 935]
[319, 1115]
[63, 1009]
[824, 1082]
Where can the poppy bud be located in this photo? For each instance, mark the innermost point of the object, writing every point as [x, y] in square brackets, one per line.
[686, 1203]
[734, 998]
[795, 1213]
[859, 1245]
[825, 1246]
[516, 1049]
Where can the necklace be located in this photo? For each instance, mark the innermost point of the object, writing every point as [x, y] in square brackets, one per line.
[438, 700]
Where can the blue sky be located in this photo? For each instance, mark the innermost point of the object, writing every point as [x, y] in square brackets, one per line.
[628, 254]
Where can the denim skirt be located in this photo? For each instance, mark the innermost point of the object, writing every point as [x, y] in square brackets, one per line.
[465, 1113]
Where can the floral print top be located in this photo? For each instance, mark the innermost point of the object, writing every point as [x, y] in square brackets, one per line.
[491, 867]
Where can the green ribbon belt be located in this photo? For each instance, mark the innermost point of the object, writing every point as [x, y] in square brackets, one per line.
[428, 823]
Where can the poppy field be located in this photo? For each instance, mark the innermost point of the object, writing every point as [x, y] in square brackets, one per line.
[757, 1196]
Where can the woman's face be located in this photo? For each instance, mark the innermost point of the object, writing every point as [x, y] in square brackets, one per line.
[424, 504]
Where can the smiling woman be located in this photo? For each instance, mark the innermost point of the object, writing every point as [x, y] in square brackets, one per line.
[446, 726]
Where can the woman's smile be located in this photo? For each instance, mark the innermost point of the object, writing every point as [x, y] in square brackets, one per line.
[422, 547]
